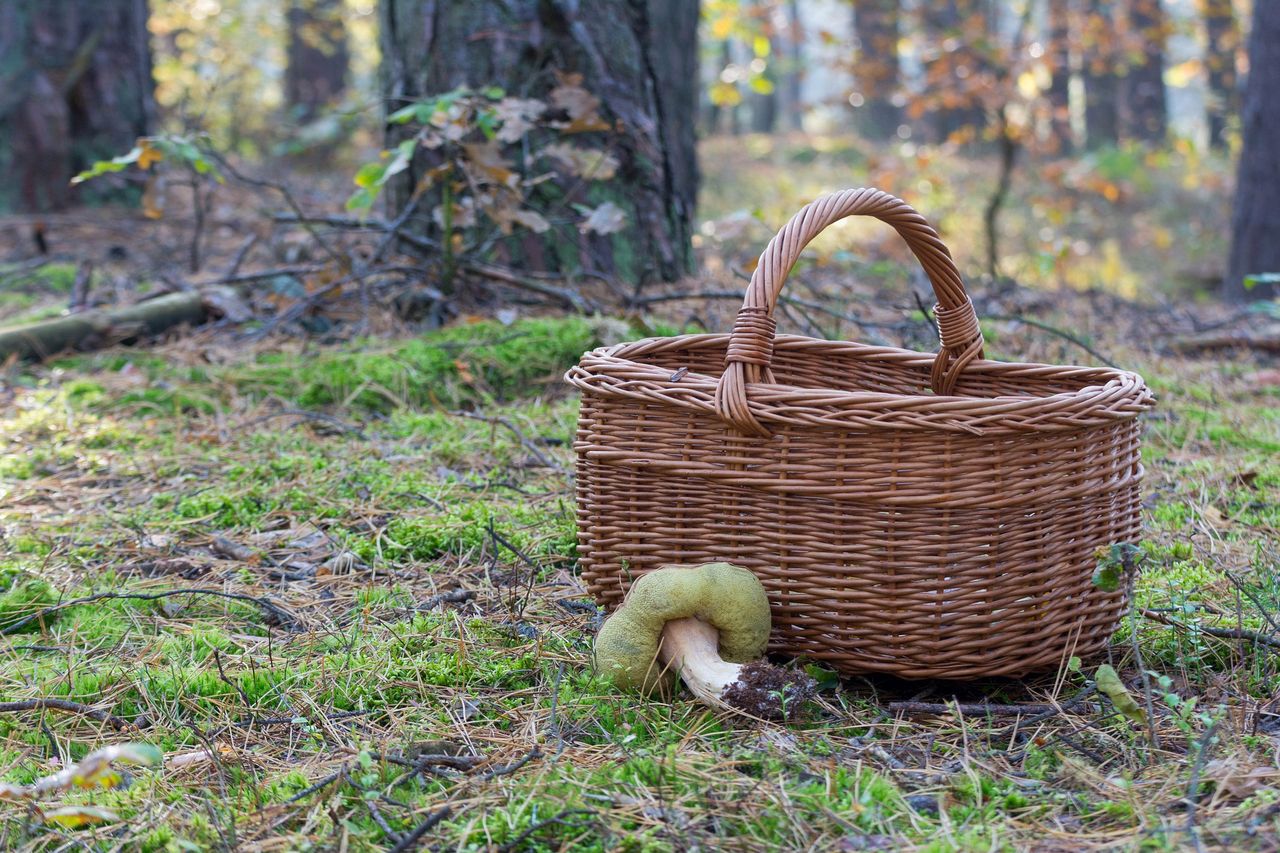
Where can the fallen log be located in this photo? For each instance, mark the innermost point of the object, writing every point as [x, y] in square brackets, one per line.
[95, 329]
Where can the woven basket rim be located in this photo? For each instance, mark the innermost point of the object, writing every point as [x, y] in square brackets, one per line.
[1111, 394]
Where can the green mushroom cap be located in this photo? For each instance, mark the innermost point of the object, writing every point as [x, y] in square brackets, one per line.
[728, 597]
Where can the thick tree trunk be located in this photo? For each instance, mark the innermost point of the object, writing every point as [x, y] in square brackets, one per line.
[876, 70]
[1101, 83]
[75, 87]
[1223, 43]
[1147, 110]
[1060, 80]
[1255, 225]
[318, 57]
[639, 57]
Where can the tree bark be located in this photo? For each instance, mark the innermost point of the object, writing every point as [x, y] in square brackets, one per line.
[1255, 225]
[793, 71]
[876, 70]
[75, 87]
[1223, 43]
[1060, 80]
[318, 57]
[1147, 109]
[639, 57]
[1101, 83]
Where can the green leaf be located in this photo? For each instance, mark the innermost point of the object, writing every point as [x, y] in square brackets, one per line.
[1113, 688]
[404, 115]
[1252, 281]
[495, 93]
[103, 167]
[1106, 576]
[370, 175]
[361, 200]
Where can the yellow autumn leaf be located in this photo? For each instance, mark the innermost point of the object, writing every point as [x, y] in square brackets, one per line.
[148, 154]
[72, 817]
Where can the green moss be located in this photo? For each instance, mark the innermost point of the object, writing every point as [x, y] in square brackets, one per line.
[21, 595]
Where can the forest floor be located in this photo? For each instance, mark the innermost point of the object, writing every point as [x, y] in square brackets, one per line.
[335, 583]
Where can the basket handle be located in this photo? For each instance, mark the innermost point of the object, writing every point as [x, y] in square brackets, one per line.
[750, 353]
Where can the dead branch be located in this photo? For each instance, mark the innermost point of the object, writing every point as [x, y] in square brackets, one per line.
[543, 459]
[68, 707]
[94, 329]
[1257, 637]
[275, 611]
[970, 709]
[1187, 346]
[410, 841]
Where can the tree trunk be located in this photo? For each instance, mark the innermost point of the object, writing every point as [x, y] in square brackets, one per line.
[639, 57]
[1147, 111]
[876, 71]
[318, 57]
[793, 71]
[1223, 43]
[1255, 226]
[1101, 83]
[75, 88]
[955, 74]
[1060, 80]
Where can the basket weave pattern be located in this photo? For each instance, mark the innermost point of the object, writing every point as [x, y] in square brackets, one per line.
[909, 513]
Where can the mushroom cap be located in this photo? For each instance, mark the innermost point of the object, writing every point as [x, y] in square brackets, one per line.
[729, 598]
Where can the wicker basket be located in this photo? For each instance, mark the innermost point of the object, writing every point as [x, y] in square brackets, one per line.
[915, 514]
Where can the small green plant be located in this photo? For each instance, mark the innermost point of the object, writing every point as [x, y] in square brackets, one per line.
[191, 157]
[481, 189]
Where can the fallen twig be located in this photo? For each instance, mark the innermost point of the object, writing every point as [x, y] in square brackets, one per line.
[1053, 330]
[971, 709]
[408, 842]
[528, 445]
[68, 707]
[307, 415]
[1222, 633]
[282, 616]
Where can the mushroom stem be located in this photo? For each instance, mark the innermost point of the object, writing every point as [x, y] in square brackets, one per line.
[691, 647]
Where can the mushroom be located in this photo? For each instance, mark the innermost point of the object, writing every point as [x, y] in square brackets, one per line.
[710, 623]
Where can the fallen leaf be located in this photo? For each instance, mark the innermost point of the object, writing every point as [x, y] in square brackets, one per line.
[1113, 688]
[592, 163]
[608, 218]
[1239, 780]
[73, 817]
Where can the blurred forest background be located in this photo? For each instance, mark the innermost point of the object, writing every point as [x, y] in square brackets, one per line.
[1056, 143]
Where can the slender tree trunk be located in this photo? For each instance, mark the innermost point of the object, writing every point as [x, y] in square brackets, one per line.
[793, 71]
[1060, 81]
[318, 57]
[1223, 44]
[1255, 225]
[956, 74]
[639, 57]
[1101, 83]
[764, 105]
[75, 87]
[876, 70]
[1147, 110]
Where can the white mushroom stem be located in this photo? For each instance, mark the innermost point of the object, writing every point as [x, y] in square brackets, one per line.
[691, 647]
